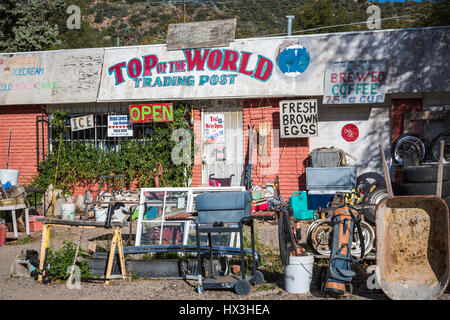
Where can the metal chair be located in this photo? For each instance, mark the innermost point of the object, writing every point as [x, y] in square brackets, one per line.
[223, 182]
[225, 212]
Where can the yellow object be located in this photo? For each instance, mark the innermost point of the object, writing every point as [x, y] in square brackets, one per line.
[116, 242]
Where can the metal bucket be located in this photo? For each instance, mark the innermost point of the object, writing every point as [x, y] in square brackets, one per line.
[412, 244]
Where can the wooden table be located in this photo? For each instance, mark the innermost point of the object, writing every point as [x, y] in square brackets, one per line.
[14, 217]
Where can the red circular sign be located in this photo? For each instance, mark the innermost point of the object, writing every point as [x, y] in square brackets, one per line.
[350, 132]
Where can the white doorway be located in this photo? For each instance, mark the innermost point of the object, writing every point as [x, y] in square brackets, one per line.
[226, 156]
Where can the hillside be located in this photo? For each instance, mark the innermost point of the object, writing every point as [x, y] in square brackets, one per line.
[147, 23]
[29, 25]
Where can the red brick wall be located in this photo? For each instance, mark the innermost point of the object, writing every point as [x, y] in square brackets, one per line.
[399, 107]
[287, 161]
[22, 154]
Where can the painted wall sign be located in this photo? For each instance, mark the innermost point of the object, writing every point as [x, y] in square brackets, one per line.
[157, 112]
[298, 118]
[119, 126]
[293, 60]
[82, 123]
[152, 72]
[350, 132]
[50, 76]
[361, 81]
[214, 128]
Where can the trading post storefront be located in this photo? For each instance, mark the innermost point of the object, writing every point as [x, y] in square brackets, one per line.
[298, 93]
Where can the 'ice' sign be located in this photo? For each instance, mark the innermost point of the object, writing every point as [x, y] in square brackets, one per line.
[298, 118]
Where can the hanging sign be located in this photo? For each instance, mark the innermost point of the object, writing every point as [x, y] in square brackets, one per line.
[157, 112]
[362, 81]
[214, 128]
[350, 132]
[82, 123]
[119, 126]
[298, 118]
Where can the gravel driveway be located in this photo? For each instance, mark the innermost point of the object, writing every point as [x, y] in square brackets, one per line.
[150, 289]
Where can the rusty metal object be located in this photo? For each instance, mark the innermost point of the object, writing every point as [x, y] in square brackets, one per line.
[159, 173]
[412, 246]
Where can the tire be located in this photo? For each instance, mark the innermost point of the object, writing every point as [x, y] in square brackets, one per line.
[258, 278]
[375, 194]
[409, 141]
[427, 189]
[323, 229]
[242, 287]
[285, 237]
[282, 240]
[425, 173]
[435, 147]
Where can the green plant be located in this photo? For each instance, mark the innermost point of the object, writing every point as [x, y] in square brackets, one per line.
[267, 286]
[166, 255]
[83, 165]
[59, 260]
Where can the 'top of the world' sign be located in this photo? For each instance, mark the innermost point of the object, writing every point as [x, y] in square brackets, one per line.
[298, 118]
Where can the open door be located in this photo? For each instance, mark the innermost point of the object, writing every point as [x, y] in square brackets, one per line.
[222, 144]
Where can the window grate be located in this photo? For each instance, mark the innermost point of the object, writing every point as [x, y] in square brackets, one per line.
[98, 136]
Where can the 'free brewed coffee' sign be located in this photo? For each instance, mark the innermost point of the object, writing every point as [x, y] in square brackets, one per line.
[298, 118]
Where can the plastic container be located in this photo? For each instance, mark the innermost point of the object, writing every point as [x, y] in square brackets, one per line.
[9, 175]
[298, 274]
[331, 178]
[298, 202]
[100, 214]
[319, 200]
[2, 233]
[68, 211]
[35, 225]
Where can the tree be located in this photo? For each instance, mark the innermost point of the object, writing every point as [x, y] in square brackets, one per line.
[25, 26]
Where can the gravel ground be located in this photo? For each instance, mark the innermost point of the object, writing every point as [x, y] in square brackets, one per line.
[154, 289]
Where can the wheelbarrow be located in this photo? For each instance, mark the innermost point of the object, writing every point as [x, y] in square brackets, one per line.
[412, 244]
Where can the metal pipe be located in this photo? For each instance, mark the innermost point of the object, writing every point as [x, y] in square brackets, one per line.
[289, 24]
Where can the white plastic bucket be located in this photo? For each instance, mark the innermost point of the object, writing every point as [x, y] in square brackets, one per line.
[9, 175]
[298, 274]
[68, 211]
[100, 215]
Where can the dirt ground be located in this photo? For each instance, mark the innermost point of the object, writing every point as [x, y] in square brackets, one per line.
[155, 289]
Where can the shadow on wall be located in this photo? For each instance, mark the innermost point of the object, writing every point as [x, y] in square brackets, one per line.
[417, 59]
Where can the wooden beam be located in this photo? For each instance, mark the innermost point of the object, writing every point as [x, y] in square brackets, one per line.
[387, 177]
[205, 34]
[440, 171]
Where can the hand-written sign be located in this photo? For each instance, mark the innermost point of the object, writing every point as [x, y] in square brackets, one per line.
[362, 81]
[158, 112]
[119, 126]
[298, 118]
[82, 123]
[215, 128]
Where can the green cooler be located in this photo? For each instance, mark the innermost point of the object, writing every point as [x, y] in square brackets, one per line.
[298, 202]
